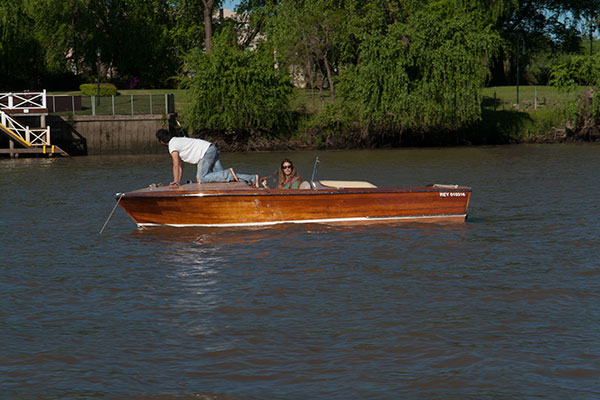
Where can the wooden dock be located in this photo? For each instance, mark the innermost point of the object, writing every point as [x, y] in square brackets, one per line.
[16, 110]
[43, 151]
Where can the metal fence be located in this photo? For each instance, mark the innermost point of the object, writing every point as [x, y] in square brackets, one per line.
[112, 105]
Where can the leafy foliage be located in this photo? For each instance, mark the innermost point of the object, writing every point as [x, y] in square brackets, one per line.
[426, 71]
[106, 89]
[19, 50]
[307, 34]
[575, 70]
[389, 65]
[234, 89]
[187, 30]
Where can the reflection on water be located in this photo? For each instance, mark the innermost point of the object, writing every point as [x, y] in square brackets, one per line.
[502, 306]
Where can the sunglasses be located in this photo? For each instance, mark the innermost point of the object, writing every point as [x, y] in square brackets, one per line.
[286, 167]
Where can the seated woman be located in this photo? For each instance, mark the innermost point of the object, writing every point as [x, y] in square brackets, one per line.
[288, 177]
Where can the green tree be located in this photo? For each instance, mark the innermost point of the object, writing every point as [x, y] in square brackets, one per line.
[576, 70]
[424, 72]
[231, 89]
[132, 36]
[21, 63]
[545, 29]
[306, 33]
[194, 19]
[62, 29]
[209, 8]
[255, 13]
[187, 26]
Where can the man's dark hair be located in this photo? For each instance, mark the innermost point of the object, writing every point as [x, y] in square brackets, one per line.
[164, 135]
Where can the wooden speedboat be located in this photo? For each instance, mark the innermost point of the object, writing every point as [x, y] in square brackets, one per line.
[237, 204]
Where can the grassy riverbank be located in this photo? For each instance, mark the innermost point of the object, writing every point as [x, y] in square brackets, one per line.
[541, 112]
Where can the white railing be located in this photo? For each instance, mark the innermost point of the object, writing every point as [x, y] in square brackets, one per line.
[33, 137]
[25, 101]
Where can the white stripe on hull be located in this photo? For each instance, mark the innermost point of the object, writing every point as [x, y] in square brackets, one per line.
[312, 221]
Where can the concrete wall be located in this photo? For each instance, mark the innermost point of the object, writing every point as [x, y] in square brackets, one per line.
[112, 134]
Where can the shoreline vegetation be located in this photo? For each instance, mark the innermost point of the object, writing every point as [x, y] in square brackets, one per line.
[383, 73]
[544, 115]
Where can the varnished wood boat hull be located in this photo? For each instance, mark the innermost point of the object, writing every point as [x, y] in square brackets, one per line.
[239, 205]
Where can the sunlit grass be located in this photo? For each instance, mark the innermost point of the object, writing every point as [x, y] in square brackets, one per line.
[531, 98]
[541, 108]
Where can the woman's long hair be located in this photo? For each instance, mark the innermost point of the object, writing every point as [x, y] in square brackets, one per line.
[282, 177]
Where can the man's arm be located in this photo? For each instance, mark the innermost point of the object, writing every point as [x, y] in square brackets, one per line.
[177, 169]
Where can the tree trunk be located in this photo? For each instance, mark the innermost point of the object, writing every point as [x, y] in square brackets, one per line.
[329, 78]
[208, 11]
[320, 78]
[311, 80]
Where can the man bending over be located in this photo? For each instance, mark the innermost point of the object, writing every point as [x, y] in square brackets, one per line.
[202, 153]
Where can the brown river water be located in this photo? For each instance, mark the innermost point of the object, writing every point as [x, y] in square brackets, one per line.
[503, 306]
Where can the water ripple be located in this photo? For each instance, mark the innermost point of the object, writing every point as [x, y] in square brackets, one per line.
[503, 306]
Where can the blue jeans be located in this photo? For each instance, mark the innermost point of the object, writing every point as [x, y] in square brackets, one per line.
[247, 178]
[211, 170]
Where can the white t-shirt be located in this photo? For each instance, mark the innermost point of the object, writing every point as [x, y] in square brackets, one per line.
[190, 150]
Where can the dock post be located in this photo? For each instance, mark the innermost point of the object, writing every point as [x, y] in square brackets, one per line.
[11, 146]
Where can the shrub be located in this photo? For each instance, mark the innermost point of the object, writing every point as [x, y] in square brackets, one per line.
[236, 90]
[575, 70]
[106, 89]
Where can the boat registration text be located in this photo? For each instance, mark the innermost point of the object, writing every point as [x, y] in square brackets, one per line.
[452, 194]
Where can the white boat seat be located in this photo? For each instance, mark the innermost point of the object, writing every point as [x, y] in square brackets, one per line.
[443, 186]
[304, 185]
[347, 184]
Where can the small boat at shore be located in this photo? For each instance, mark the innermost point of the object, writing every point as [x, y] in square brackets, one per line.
[330, 202]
